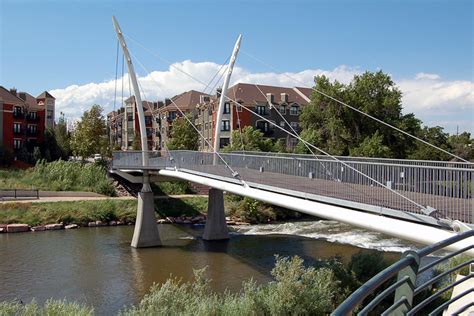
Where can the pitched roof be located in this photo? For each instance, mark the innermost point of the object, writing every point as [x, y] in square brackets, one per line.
[185, 101]
[251, 94]
[8, 97]
[45, 95]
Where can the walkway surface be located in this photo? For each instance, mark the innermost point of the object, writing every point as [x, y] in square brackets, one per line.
[464, 301]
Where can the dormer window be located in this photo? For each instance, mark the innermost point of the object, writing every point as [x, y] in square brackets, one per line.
[294, 110]
[282, 109]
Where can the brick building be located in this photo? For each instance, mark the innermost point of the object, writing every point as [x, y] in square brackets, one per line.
[123, 125]
[287, 101]
[24, 119]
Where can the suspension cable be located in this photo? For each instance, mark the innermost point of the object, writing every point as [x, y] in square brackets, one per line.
[355, 109]
[235, 174]
[154, 118]
[215, 75]
[284, 130]
[328, 172]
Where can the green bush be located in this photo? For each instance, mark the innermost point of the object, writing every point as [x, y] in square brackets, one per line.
[172, 188]
[61, 176]
[296, 290]
[50, 308]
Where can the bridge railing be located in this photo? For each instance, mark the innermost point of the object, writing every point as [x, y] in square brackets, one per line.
[444, 186]
[407, 288]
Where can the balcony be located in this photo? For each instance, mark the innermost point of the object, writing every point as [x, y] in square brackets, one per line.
[18, 131]
[18, 114]
[32, 118]
[32, 132]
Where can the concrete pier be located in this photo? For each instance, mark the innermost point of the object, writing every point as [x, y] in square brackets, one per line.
[216, 226]
[146, 230]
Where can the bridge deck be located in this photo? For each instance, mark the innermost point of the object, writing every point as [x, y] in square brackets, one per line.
[351, 192]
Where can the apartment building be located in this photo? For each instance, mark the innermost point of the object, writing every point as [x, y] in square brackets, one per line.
[269, 102]
[123, 125]
[24, 119]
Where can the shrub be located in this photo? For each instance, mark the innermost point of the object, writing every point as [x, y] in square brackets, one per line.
[50, 308]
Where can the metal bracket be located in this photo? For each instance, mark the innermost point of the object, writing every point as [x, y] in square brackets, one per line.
[430, 211]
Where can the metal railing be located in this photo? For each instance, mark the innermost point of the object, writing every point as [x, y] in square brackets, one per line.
[19, 193]
[412, 293]
[444, 187]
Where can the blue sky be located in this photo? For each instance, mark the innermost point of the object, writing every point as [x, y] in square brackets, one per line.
[48, 45]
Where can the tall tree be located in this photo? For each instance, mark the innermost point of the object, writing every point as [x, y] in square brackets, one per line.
[463, 145]
[435, 136]
[90, 135]
[63, 138]
[339, 130]
[183, 136]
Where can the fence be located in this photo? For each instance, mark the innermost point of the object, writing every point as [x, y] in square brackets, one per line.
[18, 194]
[376, 185]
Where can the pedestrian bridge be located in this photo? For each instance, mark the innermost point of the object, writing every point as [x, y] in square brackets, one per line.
[423, 201]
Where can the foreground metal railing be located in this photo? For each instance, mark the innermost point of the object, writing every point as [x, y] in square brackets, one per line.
[413, 292]
[444, 187]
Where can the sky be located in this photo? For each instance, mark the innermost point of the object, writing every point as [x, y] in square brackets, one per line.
[69, 48]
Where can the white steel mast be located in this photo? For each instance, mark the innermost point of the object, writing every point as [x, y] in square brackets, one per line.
[220, 110]
[138, 99]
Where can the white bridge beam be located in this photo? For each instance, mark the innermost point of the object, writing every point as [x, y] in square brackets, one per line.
[423, 234]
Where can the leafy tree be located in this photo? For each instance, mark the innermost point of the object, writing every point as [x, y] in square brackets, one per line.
[279, 146]
[372, 146]
[462, 145]
[90, 136]
[63, 138]
[183, 136]
[137, 143]
[435, 136]
[340, 130]
[251, 139]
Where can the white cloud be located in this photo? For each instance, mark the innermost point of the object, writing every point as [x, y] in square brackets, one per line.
[427, 95]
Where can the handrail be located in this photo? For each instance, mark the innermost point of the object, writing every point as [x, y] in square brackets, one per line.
[356, 298]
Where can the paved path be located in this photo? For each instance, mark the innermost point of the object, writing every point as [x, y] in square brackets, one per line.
[89, 198]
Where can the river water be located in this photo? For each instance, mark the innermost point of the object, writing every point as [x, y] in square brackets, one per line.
[98, 267]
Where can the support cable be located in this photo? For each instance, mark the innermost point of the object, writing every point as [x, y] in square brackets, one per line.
[357, 110]
[215, 75]
[235, 174]
[428, 210]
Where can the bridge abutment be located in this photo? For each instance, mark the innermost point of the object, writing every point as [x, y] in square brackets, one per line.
[216, 226]
[146, 231]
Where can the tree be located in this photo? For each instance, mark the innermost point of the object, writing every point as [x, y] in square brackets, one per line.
[339, 130]
[63, 138]
[183, 136]
[249, 139]
[36, 154]
[435, 136]
[90, 135]
[372, 146]
[279, 146]
[463, 145]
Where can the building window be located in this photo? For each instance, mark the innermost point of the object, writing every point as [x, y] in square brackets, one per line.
[224, 142]
[294, 125]
[206, 126]
[49, 115]
[129, 117]
[261, 110]
[33, 115]
[238, 108]
[32, 129]
[148, 120]
[225, 125]
[16, 143]
[17, 128]
[282, 123]
[282, 109]
[263, 126]
[294, 110]
[17, 111]
[227, 108]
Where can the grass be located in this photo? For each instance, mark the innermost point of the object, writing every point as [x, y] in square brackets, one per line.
[82, 212]
[59, 176]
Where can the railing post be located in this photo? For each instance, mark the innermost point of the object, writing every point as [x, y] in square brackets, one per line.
[14, 193]
[406, 289]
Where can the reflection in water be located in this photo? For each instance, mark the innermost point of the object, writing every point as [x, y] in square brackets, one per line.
[97, 266]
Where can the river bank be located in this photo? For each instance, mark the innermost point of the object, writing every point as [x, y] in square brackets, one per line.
[97, 267]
